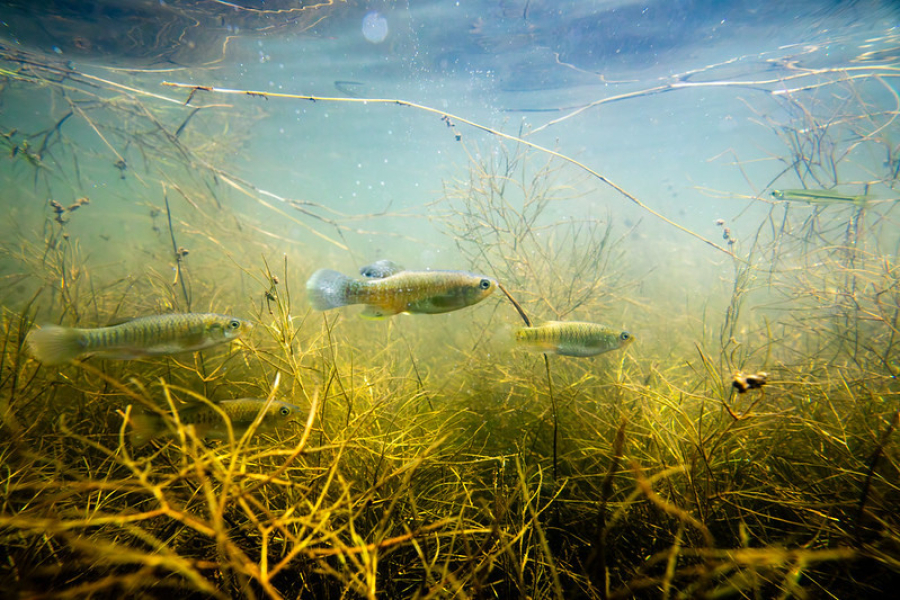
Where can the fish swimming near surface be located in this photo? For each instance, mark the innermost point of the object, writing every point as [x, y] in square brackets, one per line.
[819, 196]
[208, 422]
[573, 338]
[144, 336]
[387, 289]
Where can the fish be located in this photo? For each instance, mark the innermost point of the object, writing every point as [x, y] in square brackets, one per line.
[208, 422]
[572, 338]
[144, 336]
[388, 289]
[818, 196]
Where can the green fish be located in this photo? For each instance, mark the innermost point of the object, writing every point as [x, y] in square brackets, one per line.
[208, 422]
[572, 338]
[144, 336]
[818, 196]
[388, 290]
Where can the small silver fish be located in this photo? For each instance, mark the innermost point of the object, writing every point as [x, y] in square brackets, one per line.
[572, 338]
[208, 422]
[144, 336]
[389, 290]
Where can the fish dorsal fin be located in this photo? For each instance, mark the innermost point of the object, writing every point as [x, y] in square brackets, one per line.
[554, 323]
[380, 269]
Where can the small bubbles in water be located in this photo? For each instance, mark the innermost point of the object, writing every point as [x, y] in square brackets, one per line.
[374, 27]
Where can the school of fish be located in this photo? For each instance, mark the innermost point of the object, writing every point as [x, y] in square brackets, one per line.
[385, 289]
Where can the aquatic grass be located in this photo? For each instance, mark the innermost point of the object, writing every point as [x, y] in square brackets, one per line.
[431, 461]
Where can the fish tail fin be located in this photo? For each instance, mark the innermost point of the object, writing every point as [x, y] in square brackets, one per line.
[145, 426]
[328, 289]
[55, 345]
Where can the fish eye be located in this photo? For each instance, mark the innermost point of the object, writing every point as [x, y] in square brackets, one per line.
[234, 324]
[625, 336]
[484, 284]
[285, 411]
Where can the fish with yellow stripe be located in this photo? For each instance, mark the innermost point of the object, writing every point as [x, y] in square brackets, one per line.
[208, 422]
[387, 289]
[144, 336]
[572, 338]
